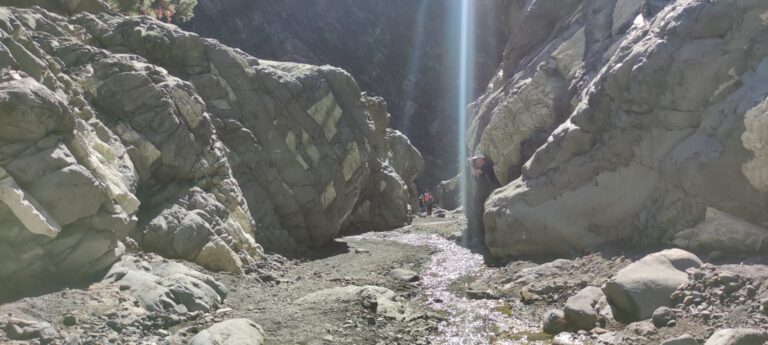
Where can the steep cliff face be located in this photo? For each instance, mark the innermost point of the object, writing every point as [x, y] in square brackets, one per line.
[113, 126]
[616, 120]
[405, 51]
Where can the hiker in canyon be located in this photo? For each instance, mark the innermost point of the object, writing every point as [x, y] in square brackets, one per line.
[484, 182]
[429, 201]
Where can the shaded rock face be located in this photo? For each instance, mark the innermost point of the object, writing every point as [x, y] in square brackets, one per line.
[404, 51]
[391, 196]
[623, 120]
[113, 126]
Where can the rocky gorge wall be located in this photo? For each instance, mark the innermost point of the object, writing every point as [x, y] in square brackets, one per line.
[115, 126]
[628, 120]
[402, 50]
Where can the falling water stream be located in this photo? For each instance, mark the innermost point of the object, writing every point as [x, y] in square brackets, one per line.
[468, 321]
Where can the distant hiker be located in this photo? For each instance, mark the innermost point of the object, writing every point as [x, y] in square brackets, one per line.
[484, 182]
[422, 204]
[429, 201]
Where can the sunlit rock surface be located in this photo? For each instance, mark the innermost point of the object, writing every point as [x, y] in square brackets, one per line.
[113, 126]
[619, 120]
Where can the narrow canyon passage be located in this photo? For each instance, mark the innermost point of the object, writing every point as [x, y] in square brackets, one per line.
[250, 172]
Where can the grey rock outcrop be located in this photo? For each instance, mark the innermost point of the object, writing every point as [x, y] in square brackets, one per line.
[593, 94]
[113, 126]
[390, 196]
[231, 332]
[404, 51]
[113, 143]
[638, 289]
[166, 286]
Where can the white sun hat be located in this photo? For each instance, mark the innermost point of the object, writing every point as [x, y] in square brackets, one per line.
[477, 156]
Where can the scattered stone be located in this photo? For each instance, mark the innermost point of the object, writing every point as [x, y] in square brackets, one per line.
[231, 332]
[638, 289]
[685, 339]
[478, 290]
[737, 336]
[43, 332]
[580, 308]
[662, 317]
[554, 322]
[641, 328]
[528, 297]
[380, 300]
[403, 275]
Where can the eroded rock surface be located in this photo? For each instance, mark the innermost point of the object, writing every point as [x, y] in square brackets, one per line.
[166, 286]
[113, 126]
[638, 289]
[231, 332]
[619, 120]
[404, 51]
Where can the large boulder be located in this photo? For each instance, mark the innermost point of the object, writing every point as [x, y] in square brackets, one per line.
[638, 289]
[685, 339]
[737, 336]
[380, 300]
[580, 309]
[723, 232]
[162, 286]
[622, 94]
[302, 159]
[231, 332]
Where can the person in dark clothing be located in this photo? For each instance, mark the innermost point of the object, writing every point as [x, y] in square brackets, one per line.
[484, 183]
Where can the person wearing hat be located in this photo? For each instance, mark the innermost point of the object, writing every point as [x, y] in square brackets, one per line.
[485, 182]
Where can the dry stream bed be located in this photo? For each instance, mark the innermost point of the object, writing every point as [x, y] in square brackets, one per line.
[346, 294]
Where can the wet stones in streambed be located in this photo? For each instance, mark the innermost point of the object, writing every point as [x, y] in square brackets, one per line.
[481, 290]
[231, 332]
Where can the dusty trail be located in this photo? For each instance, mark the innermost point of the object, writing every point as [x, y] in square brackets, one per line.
[437, 307]
[344, 294]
